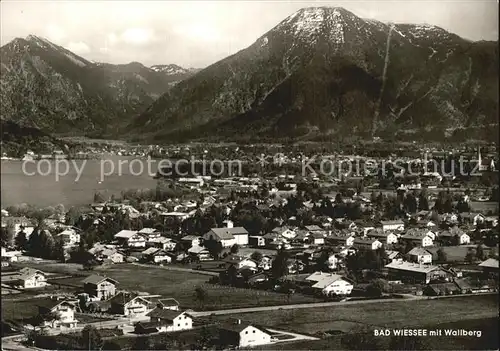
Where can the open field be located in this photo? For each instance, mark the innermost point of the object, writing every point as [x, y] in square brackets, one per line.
[181, 286]
[383, 314]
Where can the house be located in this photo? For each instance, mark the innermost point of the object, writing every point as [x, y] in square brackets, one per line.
[386, 238]
[416, 273]
[454, 236]
[101, 287]
[169, 303]
[421, 232]
[490, 266]
[418, 240]
[341, 240]
[240, 262]
[162, 243]
[243, 334]
[366, 244]
[191, 240]
[330, 283]
[10, 256]
[313, 228]
[149, 233]
[29, 278]
[472, 218]
[265, 263]
[392, 225]
[333, 262]
[130, 238]
[57, 313]
[156, 255]
[129, 304]
[317, 238]
[200, 252]
[491, 221]
[286, 233]
[165, 320]
[420, 255]
[256, 241]
[394, 255]
[228, 236]
[70, 237]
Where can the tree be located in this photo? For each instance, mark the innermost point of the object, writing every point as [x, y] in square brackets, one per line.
[59, 251]
[376, 288]
[234, 249]
[279, 266]
[201, 296]
[143, 343]
[470, 257]
[214, 248]
[441, 255]
[91, 338]
[21, 241]
[480, 253]
[256, 256]
[7, 234]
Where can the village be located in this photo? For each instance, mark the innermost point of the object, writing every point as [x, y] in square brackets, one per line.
[190, 262]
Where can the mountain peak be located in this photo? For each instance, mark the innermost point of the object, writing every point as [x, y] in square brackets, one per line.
[310, 22]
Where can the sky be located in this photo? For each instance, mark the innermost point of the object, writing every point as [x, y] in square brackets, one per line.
[197, 34]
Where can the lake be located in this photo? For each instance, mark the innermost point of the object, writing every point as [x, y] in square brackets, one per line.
[43, 189]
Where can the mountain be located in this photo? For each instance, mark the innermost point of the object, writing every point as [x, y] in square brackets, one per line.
[16, 140]
[325, 71]
[174, 73]
[48, 87]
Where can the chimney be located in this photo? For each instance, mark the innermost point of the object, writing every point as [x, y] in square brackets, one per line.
[238, 321]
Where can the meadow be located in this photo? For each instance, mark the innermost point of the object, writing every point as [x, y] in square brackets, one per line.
[181, 286]
[382, 314]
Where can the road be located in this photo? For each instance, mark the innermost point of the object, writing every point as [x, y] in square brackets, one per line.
[180, 269]
[295, 336]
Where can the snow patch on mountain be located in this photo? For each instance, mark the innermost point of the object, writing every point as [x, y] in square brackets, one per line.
[169, 69]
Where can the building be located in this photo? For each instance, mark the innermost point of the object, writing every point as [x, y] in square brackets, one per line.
[129, 304]
[101, 287]
[156, 255]
[228, 236]
[416, 273]
[367, 244]
[347, 240]
[241, 262]
[330, 283]
[70, 237]
[130, 238]
[165, 320]
[191, 241]
[418, 240]
[256, 241]
[29, 278]
[243, 334]
[57, 313]
[392, 225]
[386, 238]
[200, 253]
[490, 266]
[169, 303]
[420, 255]
[149, 233]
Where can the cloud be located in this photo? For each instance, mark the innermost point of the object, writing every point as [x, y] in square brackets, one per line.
[137, 36]
[78, 47]
[204, 32]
